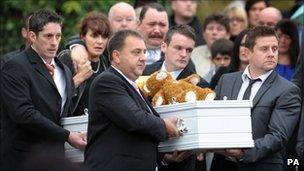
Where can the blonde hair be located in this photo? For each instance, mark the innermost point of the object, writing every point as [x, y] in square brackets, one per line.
[238, 12]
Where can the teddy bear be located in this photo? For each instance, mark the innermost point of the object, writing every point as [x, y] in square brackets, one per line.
[162, 89]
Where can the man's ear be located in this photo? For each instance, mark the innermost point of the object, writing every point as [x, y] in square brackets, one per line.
[247, 51]
[32, 36]
[163, 47]
[116, 56]
[24, 32]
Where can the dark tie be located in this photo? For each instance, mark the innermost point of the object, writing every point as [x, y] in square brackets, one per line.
[50, 68]
[248, 89]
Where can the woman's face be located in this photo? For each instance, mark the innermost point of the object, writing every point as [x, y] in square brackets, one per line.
[254, 12]
[237, 25]
[284, 42]
[243, 57]
[95, 44]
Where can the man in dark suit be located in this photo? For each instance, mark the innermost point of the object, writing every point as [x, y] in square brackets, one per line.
[298, 79]
[276, 104]
[124, 130]
[177, 47]
[35, 96]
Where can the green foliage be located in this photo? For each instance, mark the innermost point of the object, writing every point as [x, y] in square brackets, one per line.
[13, 12]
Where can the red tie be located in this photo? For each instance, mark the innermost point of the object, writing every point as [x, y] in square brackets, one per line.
[50, 68]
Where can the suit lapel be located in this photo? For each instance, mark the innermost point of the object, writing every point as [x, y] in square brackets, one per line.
[265, 86]
[68, 88]
[143, 102]
[39, 65]
[236, 87]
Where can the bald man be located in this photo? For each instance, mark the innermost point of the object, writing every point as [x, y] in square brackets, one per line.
[122, 16]
[269, 16]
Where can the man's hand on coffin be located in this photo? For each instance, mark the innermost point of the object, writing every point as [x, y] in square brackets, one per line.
[171, 128]
[77, 140]
[176, 156]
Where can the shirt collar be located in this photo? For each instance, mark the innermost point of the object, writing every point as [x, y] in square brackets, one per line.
[52, 62]
[247, 75]
[174, 74]
[129, 80]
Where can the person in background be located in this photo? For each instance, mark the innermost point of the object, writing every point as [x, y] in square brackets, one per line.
[184, 12]
[153, 25]
[298, 80]
[216, 26]
[288, 56]
[288, 48]
[124, 130]
[237, 20]
[95, 32]
[240, 59]
[253, 9]
[121, 16]
[269, 16]
[221, 54]
[25, 36]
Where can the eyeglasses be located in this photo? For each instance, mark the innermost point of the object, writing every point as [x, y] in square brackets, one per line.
[231, 20]
[242, 44]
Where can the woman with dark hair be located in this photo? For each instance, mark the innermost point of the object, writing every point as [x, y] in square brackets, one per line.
[240, 59]
[253, 9]
[94, 32]
[288, 48]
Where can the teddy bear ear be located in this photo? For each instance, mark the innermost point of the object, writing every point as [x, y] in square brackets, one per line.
[195, 80]
[210, 96]
[161, 75]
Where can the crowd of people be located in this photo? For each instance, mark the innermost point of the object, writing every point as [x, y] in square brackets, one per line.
[251, 51]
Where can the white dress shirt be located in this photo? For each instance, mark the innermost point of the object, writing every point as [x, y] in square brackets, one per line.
[153, 55]
[255, 87]
[174, 74]
[60, 82]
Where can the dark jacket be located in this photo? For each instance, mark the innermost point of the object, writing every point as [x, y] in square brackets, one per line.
[31, 108]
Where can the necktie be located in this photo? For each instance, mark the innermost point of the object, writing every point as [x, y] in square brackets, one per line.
[248, 89]
[50, 68]
[137, 89]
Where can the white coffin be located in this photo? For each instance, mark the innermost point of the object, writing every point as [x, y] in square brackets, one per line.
[211, 125]
[75, 124]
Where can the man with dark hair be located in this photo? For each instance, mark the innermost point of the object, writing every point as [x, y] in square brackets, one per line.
[124, 130]
[276, 104]
[216, 26]
[177, 47]
[184, 12]
[35, 93]
[153, 24]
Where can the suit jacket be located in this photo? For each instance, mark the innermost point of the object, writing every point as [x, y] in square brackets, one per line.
[189, 163]
[188, 70]
[274, 114]
[31, 108]
[122, 132]
[299, 81]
